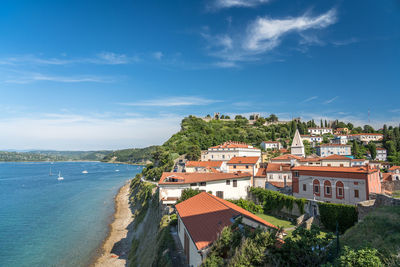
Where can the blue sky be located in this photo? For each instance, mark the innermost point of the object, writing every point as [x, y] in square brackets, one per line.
[116, 74]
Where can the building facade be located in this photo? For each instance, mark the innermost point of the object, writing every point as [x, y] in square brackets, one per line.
[272, 145]
[320, 131]
[366, 137]
[312, 138]
[381, 154]
[223, 185]
[325, 150]
[228, 150]
[347, 185]
[205, 166]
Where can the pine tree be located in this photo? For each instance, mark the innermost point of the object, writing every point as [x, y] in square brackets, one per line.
[322, 125]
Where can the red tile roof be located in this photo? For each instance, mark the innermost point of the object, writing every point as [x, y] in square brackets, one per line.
[261, 172]
[188, 178]
[204, 164]
[336, 157]
[233, 144]
[286, 157]
[387, 177]
[380, 148]
[243, 160]
[276, 167]
[310, 159]
[334, 169]
[205, 215]
[393, 168]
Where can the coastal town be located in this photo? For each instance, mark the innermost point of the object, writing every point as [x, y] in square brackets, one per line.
[328, 173]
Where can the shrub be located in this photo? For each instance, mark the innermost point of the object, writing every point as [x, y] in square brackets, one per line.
[359, 258]
[188, 193]
[248, 205]
[345, 215]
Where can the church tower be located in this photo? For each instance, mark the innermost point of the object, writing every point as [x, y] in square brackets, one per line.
[297, 147]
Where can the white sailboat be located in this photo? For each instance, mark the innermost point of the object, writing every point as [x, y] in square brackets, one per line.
[60, 177]
[85, 171]
[50, 174]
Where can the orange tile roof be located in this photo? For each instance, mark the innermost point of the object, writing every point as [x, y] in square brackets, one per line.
[334, 169]
[310, 159]
[393, 168]
[276, 167]
[204, 164]
[380, 148]
[336, 157]
[286, 157]
[243, 160]
[261, 172]
[280, 184]
[188, 178]
[205, 215]
[233, 144]
[358, 160]
[387, 177]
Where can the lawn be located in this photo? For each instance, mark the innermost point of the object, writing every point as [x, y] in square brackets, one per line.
[396, 194]
[276, 221]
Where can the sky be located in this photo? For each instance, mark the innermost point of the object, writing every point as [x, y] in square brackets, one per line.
[88, 75]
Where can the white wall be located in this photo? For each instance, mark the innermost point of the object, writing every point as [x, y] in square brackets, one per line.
[279, 176]
[336, 163]
[226, 154]
[194, 256]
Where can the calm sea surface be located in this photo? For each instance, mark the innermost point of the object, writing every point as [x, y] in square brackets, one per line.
[46, 222]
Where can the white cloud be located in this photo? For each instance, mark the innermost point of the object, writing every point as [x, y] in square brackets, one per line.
[345, 42]
[158, 55]
[239, 3]
[111, 58]
[38, 77]
[173, 102]
[226, 64]
[80, 132]
[264, 34]
[309, 99]
[331, 100]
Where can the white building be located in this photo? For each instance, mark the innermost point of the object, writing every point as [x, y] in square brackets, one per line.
[347, 185]
[274, 176]
[228, 150]
[381, 154]
[223, 185]
[312, 138]
[320, 131]
[273, 145]
[340, 140]
[248, 165]
[336, 161]
[205, 166]
[395, 172]
[366, 137]
[297, 147]
[325, 150]
[201, 219]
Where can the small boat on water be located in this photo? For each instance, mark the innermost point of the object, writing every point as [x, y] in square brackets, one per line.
[117, 170]
[50, 174]
[60, 178]
[85, 171]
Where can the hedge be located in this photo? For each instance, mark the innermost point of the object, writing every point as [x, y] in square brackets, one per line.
[248, 205]
[345, 215]
[275, 201]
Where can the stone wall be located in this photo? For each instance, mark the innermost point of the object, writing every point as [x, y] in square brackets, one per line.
[377, 200]
[391, 186]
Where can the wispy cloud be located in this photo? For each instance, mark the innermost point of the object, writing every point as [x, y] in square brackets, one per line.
[37, 77]
[331, 100]
[265, 34]
[345, 42]
[309, 99]
[158, 55]
[238, 3]
[173, 102]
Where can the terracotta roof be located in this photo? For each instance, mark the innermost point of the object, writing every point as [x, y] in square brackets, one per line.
[205, 215]
[261, 172]
[380, 148]
[387, 177]
[243, 160]
[310, 159]
[393, 168]
[334, 169]
[280, 184]
[324, 145]
[232, 144]
[188, 178]
[204, 164]
[286, 157]
[358, 160]
[276, 167]
[336, 157]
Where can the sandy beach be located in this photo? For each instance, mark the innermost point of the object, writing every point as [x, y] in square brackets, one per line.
[116, 247]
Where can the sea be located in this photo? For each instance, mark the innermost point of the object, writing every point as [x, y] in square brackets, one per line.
[49, 222]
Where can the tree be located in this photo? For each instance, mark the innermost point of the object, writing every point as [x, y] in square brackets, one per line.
[222, 116]
[273, 118]
[208, 116]
[188, 193]
[372, 149]
[391, 147]
[251, 117]
[326, 124]
[322, 125]
[307, 147]
[273, 134]
[354, 149]
[227, 117]
[359, 258]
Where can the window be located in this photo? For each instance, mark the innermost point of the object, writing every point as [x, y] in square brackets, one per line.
[220, 194]
[339, 190]
[234, 166]
[329, 165]
[356, 193]
[193, 184]
[228, 182]
[202, 183]
[247, 166]
[341, 165]
[223, 156]
[296, 174]
[234, 183]
[316, 187]
[327, 189]
[304, 187]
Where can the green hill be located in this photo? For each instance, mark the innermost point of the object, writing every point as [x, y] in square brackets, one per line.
[133, 155]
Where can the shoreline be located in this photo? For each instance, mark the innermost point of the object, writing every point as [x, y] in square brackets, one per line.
[115, 248]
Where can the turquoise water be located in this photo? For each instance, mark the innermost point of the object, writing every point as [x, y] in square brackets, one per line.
[46, 222]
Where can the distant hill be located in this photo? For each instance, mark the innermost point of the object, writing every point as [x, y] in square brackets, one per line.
[132, 155]
[50, 155]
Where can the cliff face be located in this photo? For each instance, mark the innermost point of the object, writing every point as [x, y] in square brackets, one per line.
[152, 243]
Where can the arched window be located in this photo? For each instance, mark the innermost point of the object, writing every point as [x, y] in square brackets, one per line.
[327, 189]
[339, 190]
[316, 188]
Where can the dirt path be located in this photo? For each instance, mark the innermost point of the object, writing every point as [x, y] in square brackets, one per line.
[117, 245]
